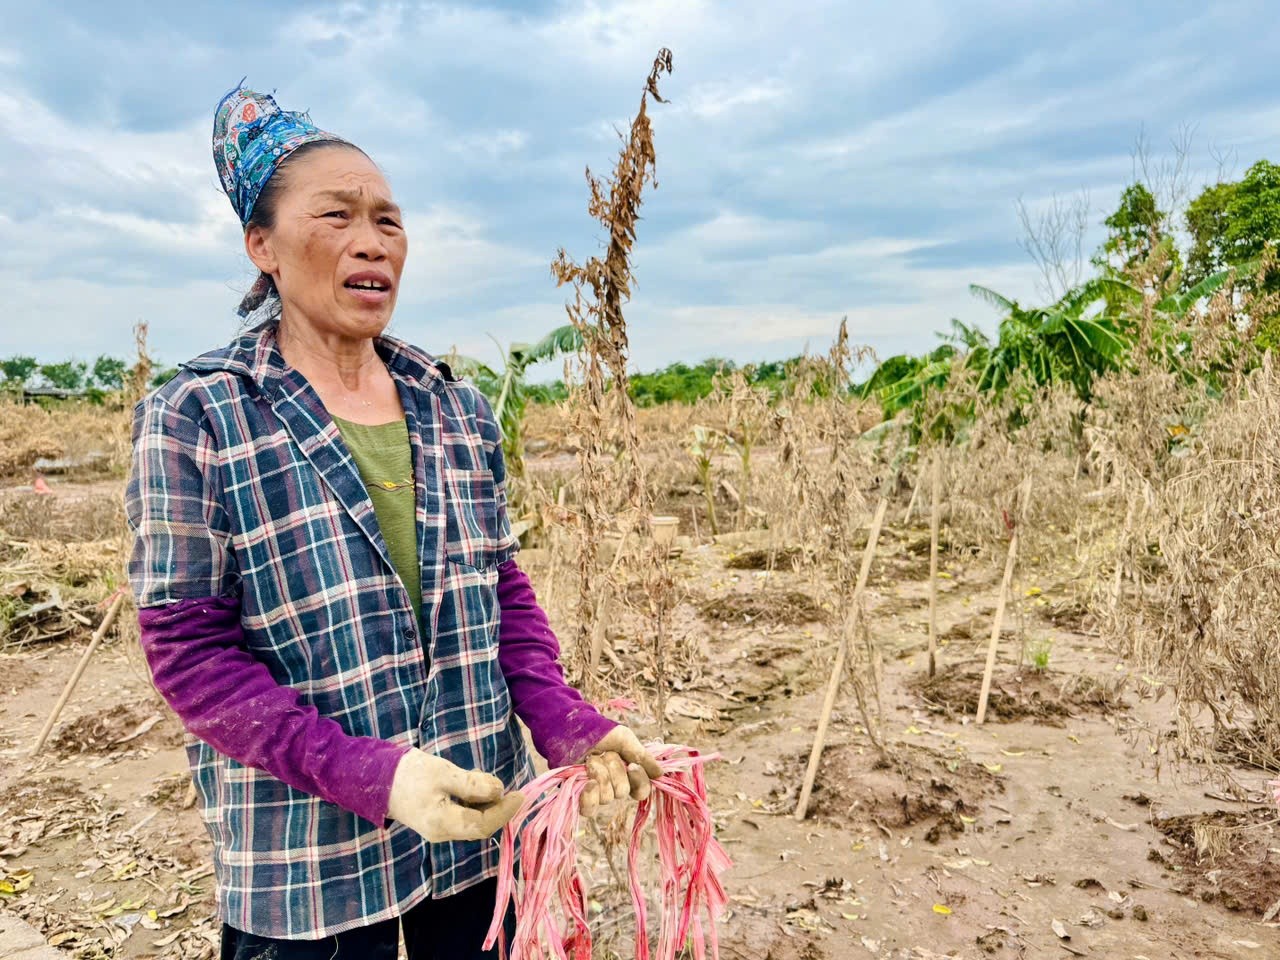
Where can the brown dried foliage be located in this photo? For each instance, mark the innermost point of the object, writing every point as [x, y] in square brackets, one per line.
[612, 483]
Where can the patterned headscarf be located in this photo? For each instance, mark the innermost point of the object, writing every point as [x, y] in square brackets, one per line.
[251, 138]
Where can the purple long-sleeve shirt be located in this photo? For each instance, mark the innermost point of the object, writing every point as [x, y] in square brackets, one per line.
[227, 697]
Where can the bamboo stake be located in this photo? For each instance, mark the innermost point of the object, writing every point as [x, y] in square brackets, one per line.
[837, 668]
[1024, 490]
[101, 632]
[933, 565]
[911, 504]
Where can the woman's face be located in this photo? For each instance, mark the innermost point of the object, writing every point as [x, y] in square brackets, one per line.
[337, 247]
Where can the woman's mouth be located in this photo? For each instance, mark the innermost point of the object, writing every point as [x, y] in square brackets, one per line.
[369, 287]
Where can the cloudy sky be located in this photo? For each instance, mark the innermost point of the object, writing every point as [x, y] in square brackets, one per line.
[817, 159]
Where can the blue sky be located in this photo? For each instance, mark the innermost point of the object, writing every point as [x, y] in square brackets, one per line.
[816, 160]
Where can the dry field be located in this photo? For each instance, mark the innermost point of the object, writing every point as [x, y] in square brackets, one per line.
[1077, 821]
[1107, 549]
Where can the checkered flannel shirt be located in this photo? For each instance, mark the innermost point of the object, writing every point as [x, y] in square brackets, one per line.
[241, 486]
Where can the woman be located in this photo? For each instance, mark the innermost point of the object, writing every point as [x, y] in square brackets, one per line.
[326, 587]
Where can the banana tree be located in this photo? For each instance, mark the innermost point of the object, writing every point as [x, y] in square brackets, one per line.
[1066, 342]
[508, 391]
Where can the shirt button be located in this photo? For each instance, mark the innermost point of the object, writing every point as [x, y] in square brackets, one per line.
[410, 634]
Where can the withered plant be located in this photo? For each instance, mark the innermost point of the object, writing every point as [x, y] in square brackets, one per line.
[613, 488]
[828, 473]
[748, 419]
[1214, 555]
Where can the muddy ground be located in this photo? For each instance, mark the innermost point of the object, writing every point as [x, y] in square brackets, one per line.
[1050, 831]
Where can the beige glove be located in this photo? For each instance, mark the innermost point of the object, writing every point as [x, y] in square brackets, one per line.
[443, 802]
[618, 766]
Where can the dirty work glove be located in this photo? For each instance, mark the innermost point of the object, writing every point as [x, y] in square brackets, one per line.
[443, 802]
[618, 767]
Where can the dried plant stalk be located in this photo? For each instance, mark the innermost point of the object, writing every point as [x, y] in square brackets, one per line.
[613, 484]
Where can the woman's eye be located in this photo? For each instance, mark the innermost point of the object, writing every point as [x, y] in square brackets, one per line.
[336, 213]
[387, 221]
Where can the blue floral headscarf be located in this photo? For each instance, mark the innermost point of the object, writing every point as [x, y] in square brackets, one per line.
[252, 136]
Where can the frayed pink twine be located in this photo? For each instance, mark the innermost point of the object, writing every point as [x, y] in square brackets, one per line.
[1275, 790]
[550, 895]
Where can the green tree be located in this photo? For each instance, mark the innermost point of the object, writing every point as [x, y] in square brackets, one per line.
[1071, 341]
[68, 375]
[108, 373]
[17, 370]
[1133, 231]
[678, 382]
[1231, 223]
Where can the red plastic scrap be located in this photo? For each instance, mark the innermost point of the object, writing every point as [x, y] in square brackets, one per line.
[550, 895]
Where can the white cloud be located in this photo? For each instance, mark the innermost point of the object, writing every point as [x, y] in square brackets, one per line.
[491, 145]
[454, 255]
[718, 99]
[816, 160]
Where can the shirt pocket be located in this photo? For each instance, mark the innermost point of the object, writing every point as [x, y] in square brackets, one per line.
[477, 531]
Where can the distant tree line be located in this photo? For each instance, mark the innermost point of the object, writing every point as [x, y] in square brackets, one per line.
[95, 380]
[681, 382]
[675, 383]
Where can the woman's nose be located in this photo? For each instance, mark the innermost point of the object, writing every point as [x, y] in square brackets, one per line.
[367, 242]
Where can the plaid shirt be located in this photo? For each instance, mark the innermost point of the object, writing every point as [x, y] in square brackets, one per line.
[242, 487]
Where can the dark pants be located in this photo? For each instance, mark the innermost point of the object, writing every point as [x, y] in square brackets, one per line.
[452, 928]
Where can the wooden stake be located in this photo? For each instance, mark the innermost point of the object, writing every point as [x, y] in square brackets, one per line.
[911, 504]
[933, 565]
[1025, 496]
[837, 668]
[101, 632]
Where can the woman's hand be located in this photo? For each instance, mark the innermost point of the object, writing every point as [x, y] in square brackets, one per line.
[618, 767]
[443, 802]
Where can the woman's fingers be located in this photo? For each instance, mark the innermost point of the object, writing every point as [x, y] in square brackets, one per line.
[472, 787]
[480, 823]
[598, 771]
[619, 783]
[639, 783]
[629, 747]
[590, 801]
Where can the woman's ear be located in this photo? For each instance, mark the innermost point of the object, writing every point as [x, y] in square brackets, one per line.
[257, 244]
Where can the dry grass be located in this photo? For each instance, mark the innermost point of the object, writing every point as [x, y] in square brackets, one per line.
[1215, 532]
[94, 439]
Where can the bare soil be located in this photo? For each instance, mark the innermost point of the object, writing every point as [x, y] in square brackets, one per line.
[969, 842]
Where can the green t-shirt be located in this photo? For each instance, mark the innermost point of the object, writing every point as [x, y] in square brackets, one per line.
[385, 461]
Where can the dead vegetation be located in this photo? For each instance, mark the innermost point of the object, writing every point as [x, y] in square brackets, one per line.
[918, 787]
[781, 558]
[613, 492]
[1040, 696]
[158, 888]
[763, 607]
[1224, 857]
[112, 730]
[70, 438]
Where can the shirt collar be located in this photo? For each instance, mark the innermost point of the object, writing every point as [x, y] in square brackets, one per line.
[256, 355]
